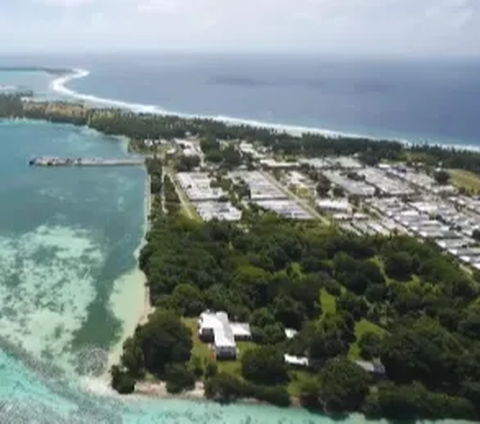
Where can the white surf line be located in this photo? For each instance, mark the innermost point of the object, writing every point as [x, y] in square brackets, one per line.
[59, 85]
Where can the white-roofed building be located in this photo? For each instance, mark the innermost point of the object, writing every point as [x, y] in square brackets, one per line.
[216, 328]
[329, 205]
[290, 333]
[296, 361]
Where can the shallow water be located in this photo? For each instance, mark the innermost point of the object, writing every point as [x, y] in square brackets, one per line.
[67, 237]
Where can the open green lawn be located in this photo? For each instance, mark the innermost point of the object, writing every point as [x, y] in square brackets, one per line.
[328, 302]
[362, 327]
[200, 349]
[296, 380]
[465, 179]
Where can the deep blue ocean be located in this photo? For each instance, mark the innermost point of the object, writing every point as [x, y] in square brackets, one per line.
[421, 100]
[69, 287]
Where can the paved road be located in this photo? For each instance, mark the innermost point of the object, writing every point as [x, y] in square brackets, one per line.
[302, 202]
[186, 205]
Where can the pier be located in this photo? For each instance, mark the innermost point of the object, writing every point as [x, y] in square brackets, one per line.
[56, 162]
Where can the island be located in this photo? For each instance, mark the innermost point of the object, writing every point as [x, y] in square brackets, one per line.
[336, 273]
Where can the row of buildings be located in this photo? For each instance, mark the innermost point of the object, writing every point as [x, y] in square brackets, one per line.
[209, 202]
[269, 196]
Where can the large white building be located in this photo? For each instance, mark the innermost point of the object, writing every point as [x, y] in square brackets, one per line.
[216, 328]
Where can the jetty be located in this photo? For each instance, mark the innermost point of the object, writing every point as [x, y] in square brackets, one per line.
[56, 161]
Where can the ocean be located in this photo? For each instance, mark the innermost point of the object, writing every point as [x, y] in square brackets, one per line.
[70, 291]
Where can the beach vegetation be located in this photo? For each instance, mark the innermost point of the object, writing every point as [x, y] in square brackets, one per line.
[122, 381]
[264, 365]
[179, 378]
[163, 340]
[343, 385]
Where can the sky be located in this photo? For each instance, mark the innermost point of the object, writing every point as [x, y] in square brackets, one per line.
[377, 27]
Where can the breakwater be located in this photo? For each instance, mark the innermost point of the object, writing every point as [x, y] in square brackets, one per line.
[56, 161]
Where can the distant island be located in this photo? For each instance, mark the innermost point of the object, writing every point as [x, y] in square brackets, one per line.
[335, 273]
[48, 70]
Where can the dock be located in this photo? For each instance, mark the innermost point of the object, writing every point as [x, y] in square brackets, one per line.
[57, 162]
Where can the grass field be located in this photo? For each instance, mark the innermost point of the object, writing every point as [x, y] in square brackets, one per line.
[328, 302]
[200, 349]
[466, 179]
[362, 327]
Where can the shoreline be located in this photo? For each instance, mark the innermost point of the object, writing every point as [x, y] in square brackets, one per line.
[133, 280]
[60, 86]
[148, 307]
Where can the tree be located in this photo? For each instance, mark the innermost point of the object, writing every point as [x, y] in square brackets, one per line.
[323, 187]
[163, 339]
[122, 382]
[262, 317]
[289, 312]
[354, 305]
[196, 366]
[269, 335]
[211, 370]
[323, 345]
[179, 378]
[416, 402]
[187, 163]
[399, 266]
[442, 177]
[470, 323]
[476, 235]
[224, 388]
[189, 300]
[309, 394]
[343, 385]
[338, 191]
[132, 357]
[376, 293]
[253, 283]
[370, 345]
[231, 158]
[421, 351]
[264, 365]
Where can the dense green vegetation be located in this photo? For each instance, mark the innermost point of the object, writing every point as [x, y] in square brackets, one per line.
[161, 347]
[394, 299]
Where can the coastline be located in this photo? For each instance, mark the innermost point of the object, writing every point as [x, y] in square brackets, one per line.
[60, 86]
[132, 290]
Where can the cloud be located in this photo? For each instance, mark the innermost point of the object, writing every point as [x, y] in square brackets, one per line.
[66, 3]
[436, 27]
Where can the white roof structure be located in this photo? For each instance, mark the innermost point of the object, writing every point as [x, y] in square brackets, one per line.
[371, 367]
[219, 324]
[335, 205]
[290, 333]
[296, 360]
[240, 330]
[224, 331]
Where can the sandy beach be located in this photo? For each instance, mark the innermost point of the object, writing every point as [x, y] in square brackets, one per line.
[159, 390]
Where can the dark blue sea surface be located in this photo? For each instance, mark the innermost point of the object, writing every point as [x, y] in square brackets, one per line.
[434, 100]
